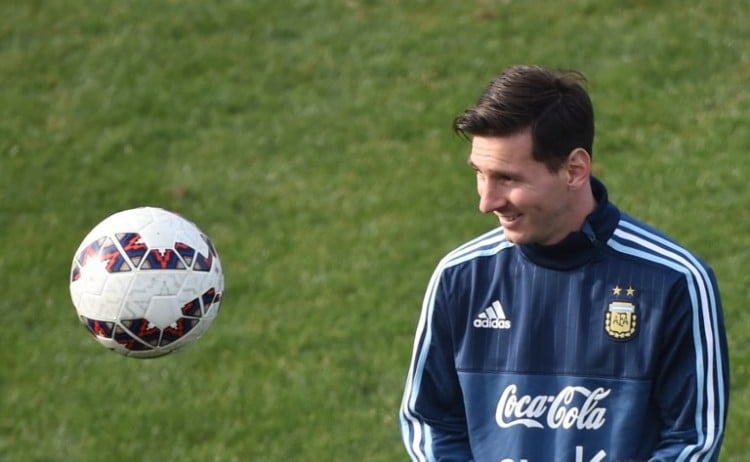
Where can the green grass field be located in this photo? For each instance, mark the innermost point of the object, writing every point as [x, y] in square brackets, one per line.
[312, 142]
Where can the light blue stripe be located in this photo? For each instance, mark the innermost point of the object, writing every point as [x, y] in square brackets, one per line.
[422, 357]
[714, 320]
[711, 294]
[428, 444]
[473, 249]
[692, 279]
[696, 328]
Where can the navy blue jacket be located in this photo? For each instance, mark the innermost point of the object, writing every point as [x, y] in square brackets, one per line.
[608, 346]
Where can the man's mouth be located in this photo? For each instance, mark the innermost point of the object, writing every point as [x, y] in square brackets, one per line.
[508, 218]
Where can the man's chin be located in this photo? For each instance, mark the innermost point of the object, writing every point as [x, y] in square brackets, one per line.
[513, 236]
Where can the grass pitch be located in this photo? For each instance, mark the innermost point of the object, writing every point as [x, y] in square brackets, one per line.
[311, 141]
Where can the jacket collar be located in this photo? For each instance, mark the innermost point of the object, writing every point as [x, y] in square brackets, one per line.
[583, 246]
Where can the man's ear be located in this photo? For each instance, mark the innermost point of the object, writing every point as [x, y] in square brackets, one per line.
[578, 168]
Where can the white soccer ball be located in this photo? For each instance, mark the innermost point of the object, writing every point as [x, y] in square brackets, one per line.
[146, 282]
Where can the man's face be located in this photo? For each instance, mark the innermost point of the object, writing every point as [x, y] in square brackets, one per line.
[532, 204]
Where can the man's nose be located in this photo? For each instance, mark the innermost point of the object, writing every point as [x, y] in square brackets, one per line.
[491, 197]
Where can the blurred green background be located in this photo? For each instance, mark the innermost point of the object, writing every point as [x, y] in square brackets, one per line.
[312, 142]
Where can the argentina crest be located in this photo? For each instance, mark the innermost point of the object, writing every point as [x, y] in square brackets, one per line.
[621, 319]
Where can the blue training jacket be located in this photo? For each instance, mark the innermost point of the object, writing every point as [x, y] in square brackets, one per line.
[609, 346]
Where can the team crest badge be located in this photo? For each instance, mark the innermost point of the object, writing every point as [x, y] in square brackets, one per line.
[621, 320]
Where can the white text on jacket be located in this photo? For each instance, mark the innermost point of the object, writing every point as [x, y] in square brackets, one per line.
[573, 407]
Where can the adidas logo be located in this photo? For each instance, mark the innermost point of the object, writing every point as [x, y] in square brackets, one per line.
[493, 317]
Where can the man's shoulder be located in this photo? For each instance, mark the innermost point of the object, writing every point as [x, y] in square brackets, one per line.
[485, 245]
[644, 241]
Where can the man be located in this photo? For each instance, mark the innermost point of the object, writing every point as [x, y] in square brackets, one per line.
[572, 332]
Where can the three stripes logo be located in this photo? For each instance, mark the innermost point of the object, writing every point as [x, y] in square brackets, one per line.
[493, 317]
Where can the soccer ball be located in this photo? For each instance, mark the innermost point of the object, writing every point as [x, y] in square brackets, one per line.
[146, 282]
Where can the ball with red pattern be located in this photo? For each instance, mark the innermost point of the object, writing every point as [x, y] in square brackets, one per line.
[146, 282]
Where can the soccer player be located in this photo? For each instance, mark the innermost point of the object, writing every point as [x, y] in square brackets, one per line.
[572, 332]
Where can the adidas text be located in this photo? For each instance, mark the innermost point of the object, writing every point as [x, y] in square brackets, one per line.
[492, 323]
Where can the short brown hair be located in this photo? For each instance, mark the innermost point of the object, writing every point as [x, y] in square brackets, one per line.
[554, 105]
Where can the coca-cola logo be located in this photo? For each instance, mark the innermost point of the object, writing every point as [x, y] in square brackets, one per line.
[573, 407]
